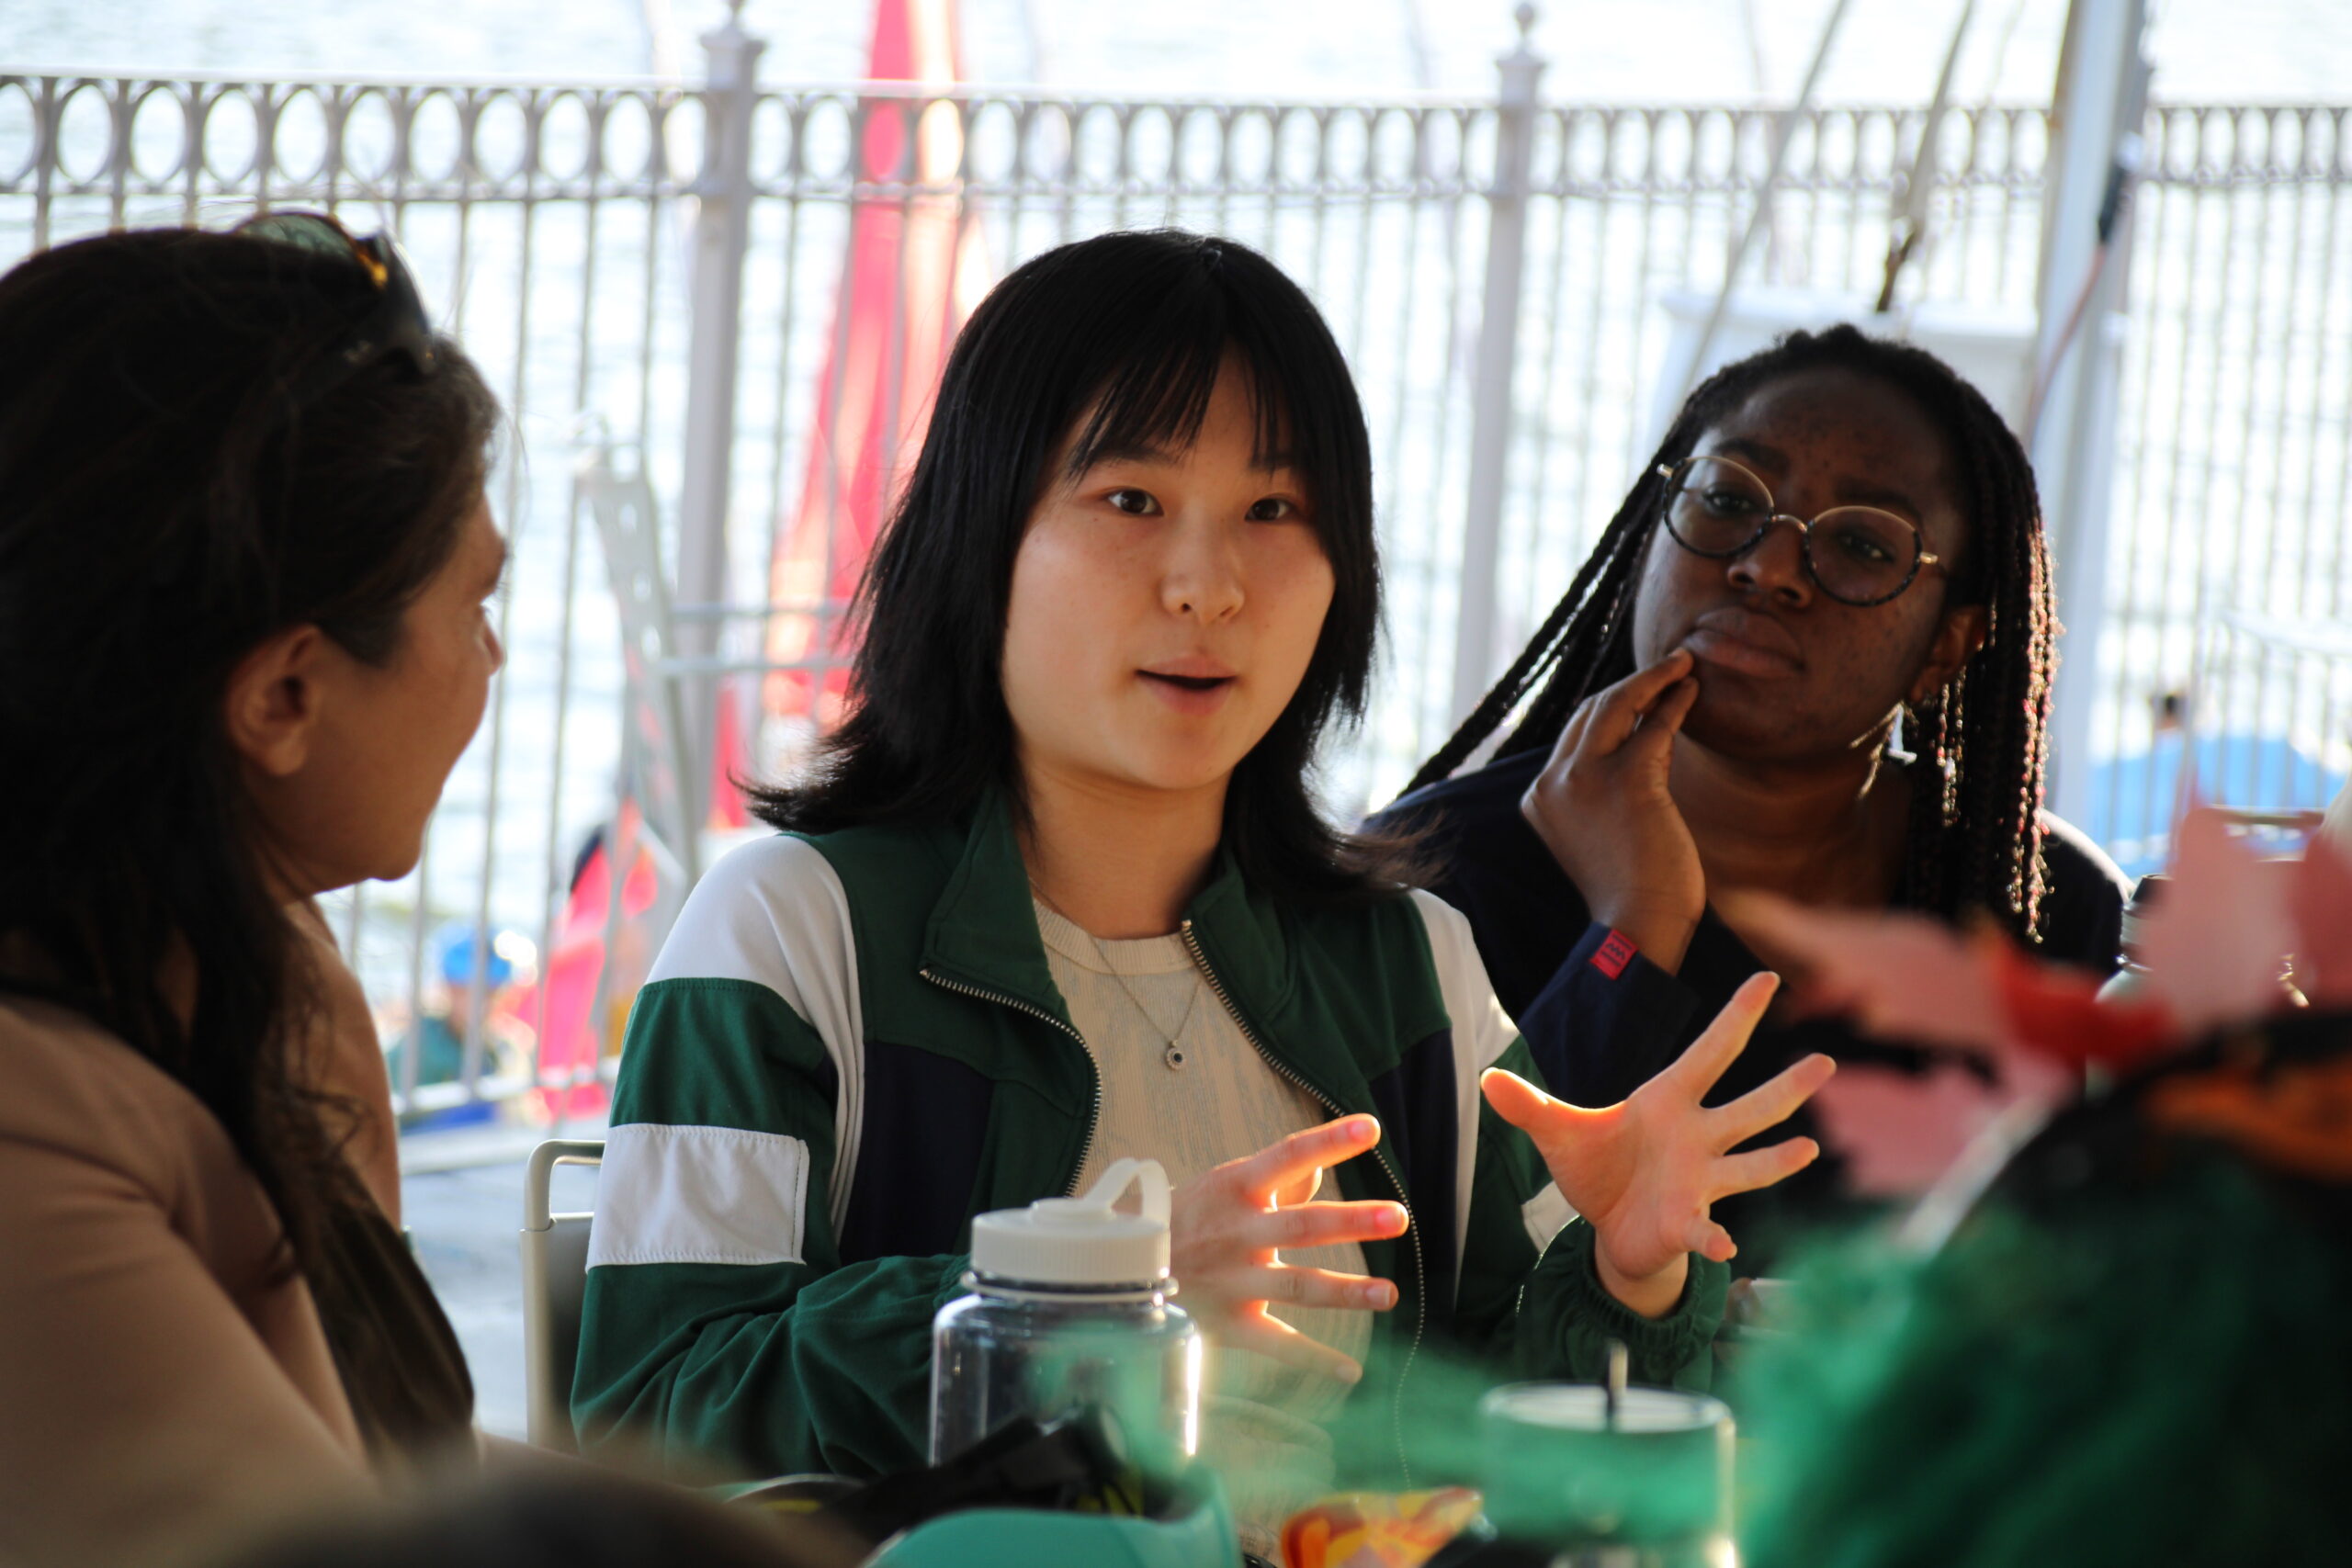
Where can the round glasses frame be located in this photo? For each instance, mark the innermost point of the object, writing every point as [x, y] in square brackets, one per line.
[1672, 473]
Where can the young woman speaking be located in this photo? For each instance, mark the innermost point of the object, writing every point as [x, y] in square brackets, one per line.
[1059, 894]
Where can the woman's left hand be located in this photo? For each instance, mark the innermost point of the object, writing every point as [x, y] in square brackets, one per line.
[1643, 1172]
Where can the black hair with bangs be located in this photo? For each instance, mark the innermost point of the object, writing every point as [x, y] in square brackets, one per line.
[1120, 339]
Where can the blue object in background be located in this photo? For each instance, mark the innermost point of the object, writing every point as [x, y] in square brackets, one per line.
[454, 944]
[2133, 797]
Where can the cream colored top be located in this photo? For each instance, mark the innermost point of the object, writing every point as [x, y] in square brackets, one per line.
[1131, 1000]
[163, 1390]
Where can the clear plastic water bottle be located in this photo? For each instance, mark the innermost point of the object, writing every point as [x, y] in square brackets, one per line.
[1069, 1312]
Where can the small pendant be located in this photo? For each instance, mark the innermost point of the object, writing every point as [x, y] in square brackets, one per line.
[1173, 1056]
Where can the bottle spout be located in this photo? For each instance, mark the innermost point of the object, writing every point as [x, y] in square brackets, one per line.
[1146, 1176]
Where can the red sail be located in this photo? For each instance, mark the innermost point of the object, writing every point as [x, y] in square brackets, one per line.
[910, 276]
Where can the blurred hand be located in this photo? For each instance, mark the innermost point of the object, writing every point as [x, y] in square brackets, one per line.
[1644, 1172]
[1602, 807]
[1228, 1225]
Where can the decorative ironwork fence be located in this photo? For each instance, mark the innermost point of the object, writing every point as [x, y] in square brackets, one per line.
[657, 267]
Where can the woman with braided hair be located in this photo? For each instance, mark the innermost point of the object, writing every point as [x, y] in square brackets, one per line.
[1810, 655]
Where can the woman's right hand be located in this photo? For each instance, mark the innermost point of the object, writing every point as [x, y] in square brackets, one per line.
[1646, 1173]
[1603, 808]
[1228, 1226]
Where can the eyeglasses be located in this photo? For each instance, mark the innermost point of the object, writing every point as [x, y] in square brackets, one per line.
[1859, 555]
[395, 325]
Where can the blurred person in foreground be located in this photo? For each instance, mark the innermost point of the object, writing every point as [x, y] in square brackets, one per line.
[558, 1518]
[1810, 656]
[2132, 1347]
[245, 570]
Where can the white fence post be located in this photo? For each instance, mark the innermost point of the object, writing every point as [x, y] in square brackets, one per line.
[722, 232]
[1490, 408]
[2102, 96]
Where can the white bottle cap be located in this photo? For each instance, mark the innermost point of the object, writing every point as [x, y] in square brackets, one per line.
[1081, 1241]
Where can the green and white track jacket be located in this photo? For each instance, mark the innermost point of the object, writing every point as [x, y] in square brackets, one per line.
[851, 1045]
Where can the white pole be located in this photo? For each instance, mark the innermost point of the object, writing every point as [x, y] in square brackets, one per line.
[2101, 95]
[1490, 407]
[1761, 217]
[722, 232]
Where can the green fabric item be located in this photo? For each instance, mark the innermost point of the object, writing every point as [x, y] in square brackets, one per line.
[822, 1365]
[442, 1058]
[711, 1362]
[2154, 1372]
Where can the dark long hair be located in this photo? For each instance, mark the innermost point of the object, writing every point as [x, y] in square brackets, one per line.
[1976, 833]
[1125, 333]
[164, 510]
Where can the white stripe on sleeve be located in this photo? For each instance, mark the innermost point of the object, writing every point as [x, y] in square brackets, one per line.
[699, 1195]
[774, 912]
[1544, 1214]
[1482, 1033]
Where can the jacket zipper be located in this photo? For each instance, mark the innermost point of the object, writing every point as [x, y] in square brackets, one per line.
[1094, 1114]
[1413, 1230]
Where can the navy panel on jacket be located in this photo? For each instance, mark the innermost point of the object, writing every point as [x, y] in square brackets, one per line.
[931, 1113]
[1417, 1107]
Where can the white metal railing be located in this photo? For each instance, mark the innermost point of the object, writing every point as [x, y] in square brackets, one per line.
[2233, 463]
[622, 271]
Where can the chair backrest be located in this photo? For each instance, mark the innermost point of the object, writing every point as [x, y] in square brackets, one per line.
[628, 525]
[555, 1282]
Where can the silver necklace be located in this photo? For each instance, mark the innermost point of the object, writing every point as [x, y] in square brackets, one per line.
[1174, 1055]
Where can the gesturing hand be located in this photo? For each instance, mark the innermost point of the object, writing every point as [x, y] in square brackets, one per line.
[1602, 807]
[1644, 1172]
[1226, 1226]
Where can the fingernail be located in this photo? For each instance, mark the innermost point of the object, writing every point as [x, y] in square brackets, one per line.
[1351, 1373]
[1380, 1296]
[1396, 1217]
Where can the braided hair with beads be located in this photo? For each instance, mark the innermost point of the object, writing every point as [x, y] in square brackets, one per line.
[1975, 831]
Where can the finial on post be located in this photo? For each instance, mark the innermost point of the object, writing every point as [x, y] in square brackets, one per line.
[731, 55]
[1521, 67]
[730, 31]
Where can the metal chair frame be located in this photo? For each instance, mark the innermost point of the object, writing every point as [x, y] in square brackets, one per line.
[555, 1286]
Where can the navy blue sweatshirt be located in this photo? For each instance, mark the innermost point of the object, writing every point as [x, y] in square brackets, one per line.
[1610, 1018]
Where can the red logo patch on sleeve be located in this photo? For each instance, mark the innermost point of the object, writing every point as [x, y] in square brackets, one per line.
[1611, 956]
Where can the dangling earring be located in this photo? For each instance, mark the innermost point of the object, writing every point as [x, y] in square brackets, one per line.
[1927, 733]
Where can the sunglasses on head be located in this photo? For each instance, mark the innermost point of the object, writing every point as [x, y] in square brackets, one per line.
[396, 325]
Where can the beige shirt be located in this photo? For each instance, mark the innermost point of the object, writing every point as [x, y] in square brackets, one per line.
[1132, 1000]
[161, 1393]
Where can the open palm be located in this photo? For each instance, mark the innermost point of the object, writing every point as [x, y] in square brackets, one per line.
[1645, 1172]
